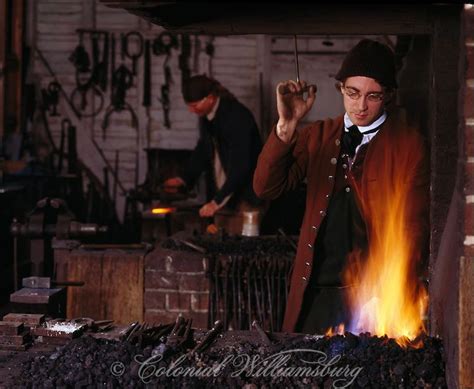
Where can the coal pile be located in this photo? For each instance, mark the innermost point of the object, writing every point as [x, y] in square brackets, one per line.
[339, 361]
[225, 244]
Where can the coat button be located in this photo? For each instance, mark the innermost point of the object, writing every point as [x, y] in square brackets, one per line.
[307, 263]
[314, 228]
[310, 245]
[304, 278]
[338, 142]
[344, 165]
[330, 178]
[333, 161]
[348, 189]
[322, 213]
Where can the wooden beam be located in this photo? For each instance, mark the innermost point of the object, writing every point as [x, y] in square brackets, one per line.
[3, 38]
[283, 18]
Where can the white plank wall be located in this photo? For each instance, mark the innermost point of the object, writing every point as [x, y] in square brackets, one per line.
[234, 65]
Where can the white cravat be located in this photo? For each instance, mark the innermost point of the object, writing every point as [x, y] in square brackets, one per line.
[366, 137]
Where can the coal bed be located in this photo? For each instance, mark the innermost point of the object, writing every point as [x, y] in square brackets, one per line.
[236, 359]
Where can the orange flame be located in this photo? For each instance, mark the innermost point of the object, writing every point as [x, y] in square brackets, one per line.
[388, 298]
[162, 211]
[339, 330]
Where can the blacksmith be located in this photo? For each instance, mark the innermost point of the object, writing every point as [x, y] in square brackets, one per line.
[227, 149]
[341, 160]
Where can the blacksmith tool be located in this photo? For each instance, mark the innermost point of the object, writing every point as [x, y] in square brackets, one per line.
[125, 333]
[121, 81]
[35, 282]
[165, 90]
[212, 290]
[234, 291]
[164, 43]
[284, 90]
[249, 295]
[147, 75]
[193, 246]
[297, 66]
[208, 339]
[116, 167]
[263, 335]
[226, 293]
[138, 50]
[278, 268]
[196, 52]
[179, 336]
[269, 296]
[240, 307]
[71, 149]
[78, 115]
[53, 97]
[257, 291]
[112, 53]
[64, 125]
[79, 57]
[210, 49]
[184, 58]
[218, 286]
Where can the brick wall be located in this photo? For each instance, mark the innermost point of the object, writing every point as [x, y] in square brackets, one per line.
[466, 287]
[175, 282]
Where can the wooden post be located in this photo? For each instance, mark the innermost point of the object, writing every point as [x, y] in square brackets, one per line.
[3, 38]
[16, 83]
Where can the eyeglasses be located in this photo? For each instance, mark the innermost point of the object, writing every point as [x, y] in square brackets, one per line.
[353, 94]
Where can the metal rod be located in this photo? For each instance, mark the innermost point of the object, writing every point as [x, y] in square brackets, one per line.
[296, 61]
[263, 335]
[15, 263]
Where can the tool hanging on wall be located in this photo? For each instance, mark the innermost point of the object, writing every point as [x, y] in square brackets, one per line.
[100, 67]
[68, 131]
[210, 49]
[146, 102]
[85, 92]
[88, 79]
[79, 57]
[162, 45]
[112, 54]
[64, 127]
[99, 150]
[137, 51]
[165, 91]
[51, 97]
[196, 53]
[122, 80]
[184, 58]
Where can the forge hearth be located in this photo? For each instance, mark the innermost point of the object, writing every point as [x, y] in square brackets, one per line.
[293, 361]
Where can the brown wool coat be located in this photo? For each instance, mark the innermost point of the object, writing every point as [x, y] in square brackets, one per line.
[314, 156]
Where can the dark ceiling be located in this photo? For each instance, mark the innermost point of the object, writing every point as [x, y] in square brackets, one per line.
[223, 18]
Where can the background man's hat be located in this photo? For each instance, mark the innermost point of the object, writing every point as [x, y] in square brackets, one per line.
[198, 87]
